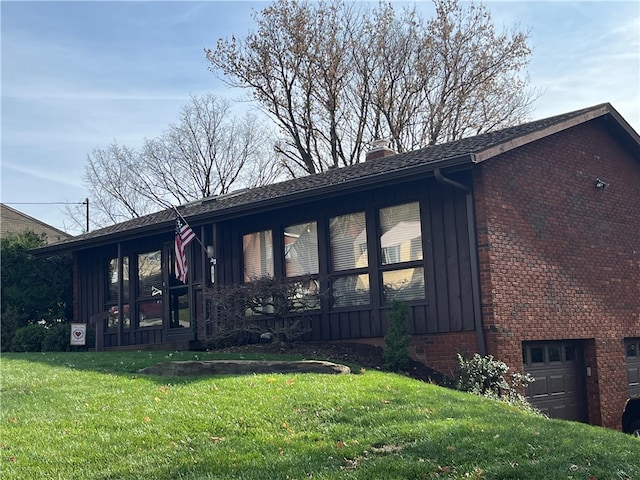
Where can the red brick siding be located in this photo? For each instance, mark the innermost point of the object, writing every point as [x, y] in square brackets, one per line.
[439, 351]
[560, 259]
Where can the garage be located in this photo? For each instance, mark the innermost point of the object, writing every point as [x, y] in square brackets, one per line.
[558, 390]
[632, 348]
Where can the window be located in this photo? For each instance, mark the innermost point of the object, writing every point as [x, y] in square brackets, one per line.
[150, 293]
[632, 351]
[301, 249]
[405, 284]
[401, 235]
[350, 290]
[349, 242]
[555, 353]
[111, 297]
[537, 354]
[179, 310]
[400, 244]
[349, 260]
[257, 250]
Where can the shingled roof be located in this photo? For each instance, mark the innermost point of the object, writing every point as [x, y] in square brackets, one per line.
[466, 151]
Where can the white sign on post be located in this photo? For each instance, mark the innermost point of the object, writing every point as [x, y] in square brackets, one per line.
[78, 333]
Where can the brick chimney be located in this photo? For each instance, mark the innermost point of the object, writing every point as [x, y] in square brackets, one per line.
[380, 148]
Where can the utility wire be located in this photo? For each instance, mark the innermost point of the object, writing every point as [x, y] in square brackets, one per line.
[86, 202]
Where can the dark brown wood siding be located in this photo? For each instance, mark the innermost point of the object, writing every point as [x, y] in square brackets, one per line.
[448, 306]
[448, 303]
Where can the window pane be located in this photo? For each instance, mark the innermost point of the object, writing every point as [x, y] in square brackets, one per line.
[351, 290]
[150, 274]
[405, 284]
[112, 280]
[257, 250]
[349, 242]
[306, 295]
[537, 355]
[401, 237]
[150, 313]
[180, 313]
[114, 318]
[631, 350]
[570, 353]
[301, 249]
[555, 354]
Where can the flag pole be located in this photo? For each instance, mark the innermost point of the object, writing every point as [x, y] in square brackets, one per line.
[204, 249]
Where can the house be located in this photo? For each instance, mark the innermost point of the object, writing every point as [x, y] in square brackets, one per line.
[522, 243]
[14, 222]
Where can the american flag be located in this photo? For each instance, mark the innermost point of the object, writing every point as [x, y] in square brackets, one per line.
[184, 236]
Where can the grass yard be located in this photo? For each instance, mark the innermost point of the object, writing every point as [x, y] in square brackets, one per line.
[91, 416]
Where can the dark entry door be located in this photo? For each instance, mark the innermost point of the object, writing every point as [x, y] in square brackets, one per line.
[558, 390]
[178, 305]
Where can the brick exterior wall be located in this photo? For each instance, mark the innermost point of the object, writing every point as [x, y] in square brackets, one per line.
[439, 351]
[13, 222]
[560, 259]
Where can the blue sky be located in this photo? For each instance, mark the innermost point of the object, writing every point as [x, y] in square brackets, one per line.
[78, 75]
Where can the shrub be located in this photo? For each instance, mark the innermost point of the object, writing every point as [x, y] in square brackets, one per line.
[57, 338]
[486, 376]
[396, 340]
[29, 338]
[267, 308]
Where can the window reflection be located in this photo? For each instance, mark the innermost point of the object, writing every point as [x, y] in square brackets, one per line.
[114, 317]
[406, 284]
[111, 295]
[150, 313]
[257, 251]
[349, 241]
[350, 290]
[401, 235]
[301, 249]
[150, 274]
[180, 311]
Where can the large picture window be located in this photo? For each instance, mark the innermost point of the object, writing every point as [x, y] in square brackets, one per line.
[257, 252]
[400, 243]
[349, 260]
[301, 249]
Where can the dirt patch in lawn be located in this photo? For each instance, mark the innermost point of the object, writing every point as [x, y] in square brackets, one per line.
[319, 357]
[356, 355]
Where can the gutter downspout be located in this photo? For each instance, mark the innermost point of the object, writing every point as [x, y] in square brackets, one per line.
[473, 256]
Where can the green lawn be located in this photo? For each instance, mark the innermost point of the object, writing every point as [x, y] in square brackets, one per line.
[90, 416]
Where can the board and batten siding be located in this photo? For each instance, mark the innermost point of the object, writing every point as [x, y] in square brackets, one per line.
[448, 306]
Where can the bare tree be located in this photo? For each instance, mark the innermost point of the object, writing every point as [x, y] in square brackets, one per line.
[208, 151]
[336, 75]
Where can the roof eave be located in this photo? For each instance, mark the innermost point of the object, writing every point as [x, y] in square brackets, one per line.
[630, 137]
[387, 177]
[514, 143]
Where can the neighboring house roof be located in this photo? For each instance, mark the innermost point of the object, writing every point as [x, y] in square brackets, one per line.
[14, 222]
[459, 153]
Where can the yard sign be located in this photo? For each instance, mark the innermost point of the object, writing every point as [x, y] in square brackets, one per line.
[78, 333]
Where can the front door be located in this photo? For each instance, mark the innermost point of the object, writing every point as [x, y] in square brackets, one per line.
[178, 303]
